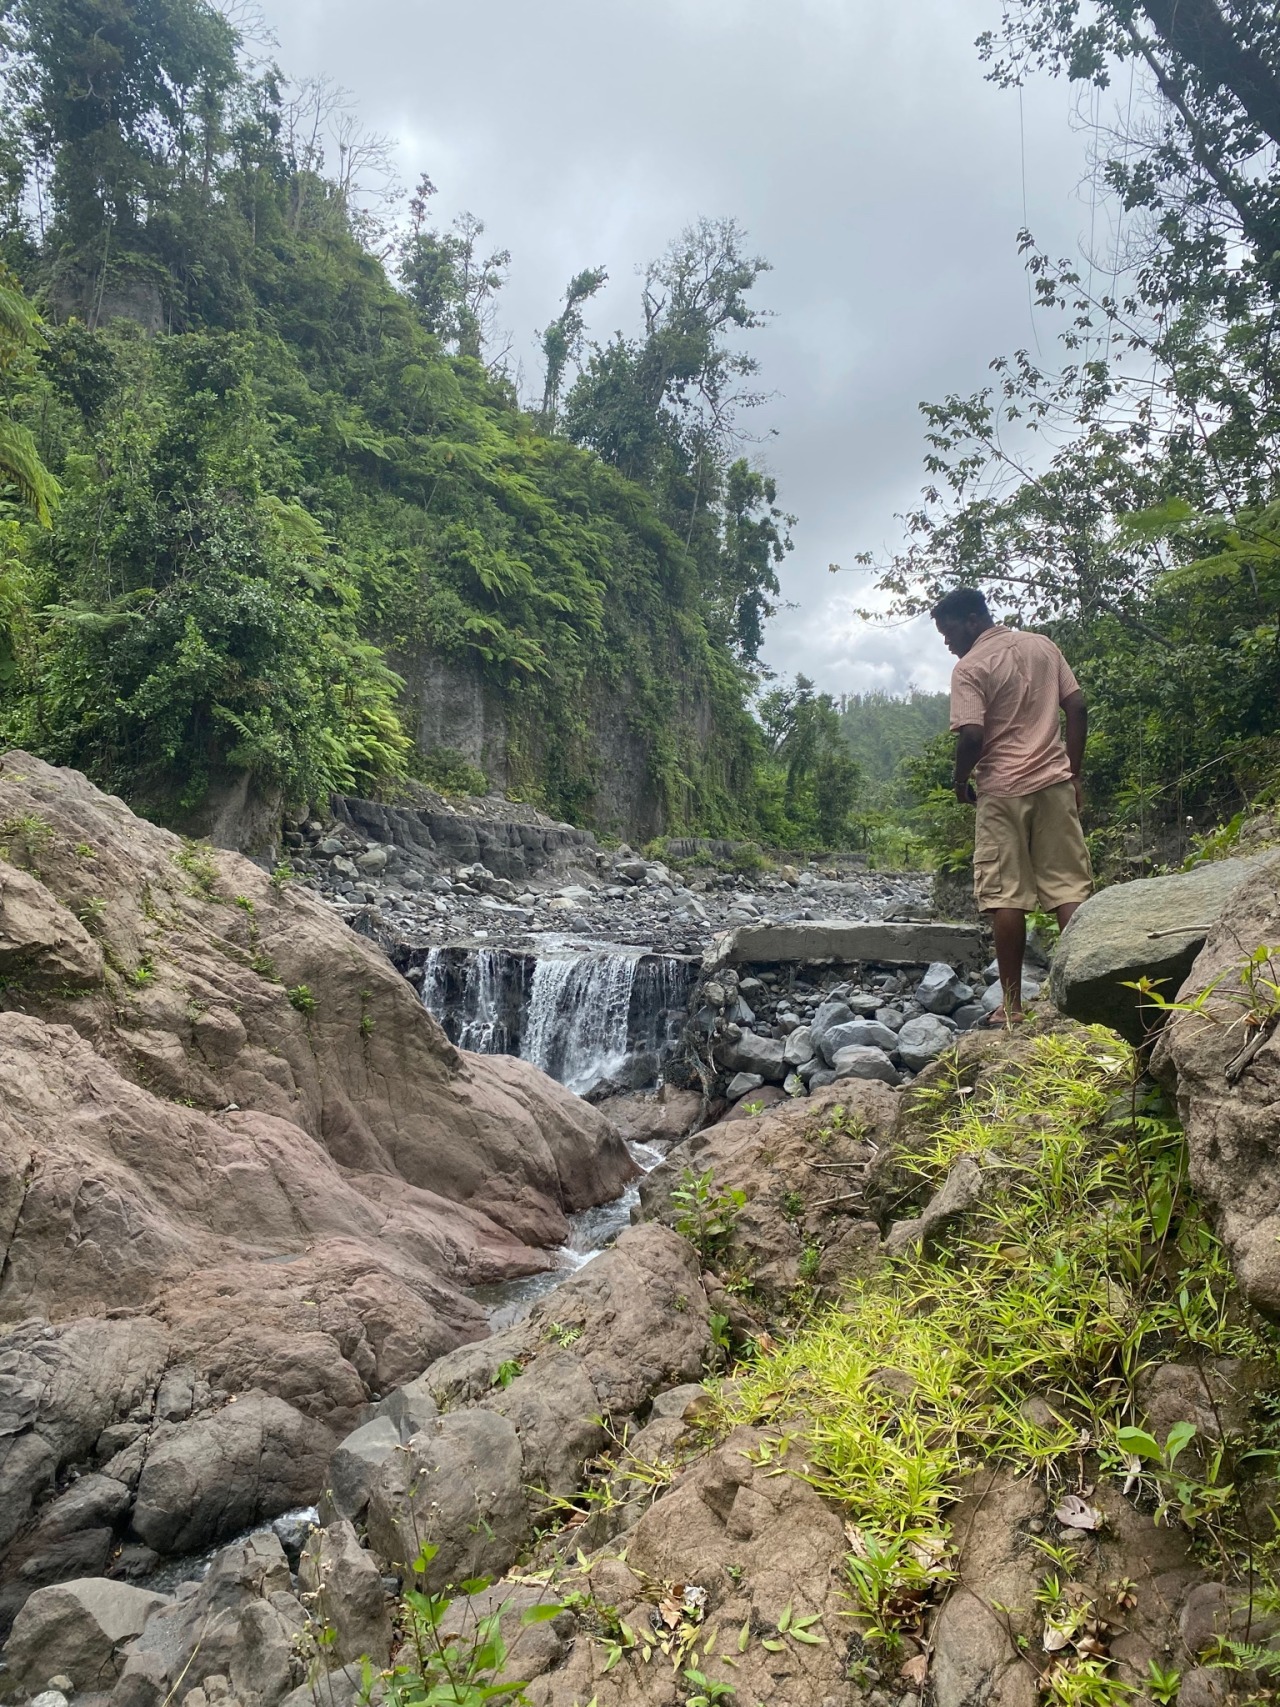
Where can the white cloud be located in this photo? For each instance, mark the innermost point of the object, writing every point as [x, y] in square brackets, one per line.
[859, 144]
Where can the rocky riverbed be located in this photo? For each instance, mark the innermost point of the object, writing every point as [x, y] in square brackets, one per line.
[406, 890]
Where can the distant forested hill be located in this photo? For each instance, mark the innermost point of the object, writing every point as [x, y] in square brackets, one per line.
[275, 521]
[883, 729]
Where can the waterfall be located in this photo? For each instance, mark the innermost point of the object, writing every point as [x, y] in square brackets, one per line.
[473, 1009]
[579, 1017]
[586, 1018]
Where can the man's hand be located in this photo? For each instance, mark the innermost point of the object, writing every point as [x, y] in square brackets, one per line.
[1077, 783]
[968, 752]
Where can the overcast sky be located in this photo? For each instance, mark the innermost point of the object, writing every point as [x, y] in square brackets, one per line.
[855, 139]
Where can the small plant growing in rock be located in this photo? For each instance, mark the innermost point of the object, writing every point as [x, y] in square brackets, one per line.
[144, 972]
[793, 1205]
[300, 997]
[448, 1662]
[705, 1215]
[282, 874]
[563, 1335]
[1163, 1683]
[194, 858]
[92, 913]
[507, 1371]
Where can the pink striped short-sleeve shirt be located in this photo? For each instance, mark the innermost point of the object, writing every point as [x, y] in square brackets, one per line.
[1012, 685]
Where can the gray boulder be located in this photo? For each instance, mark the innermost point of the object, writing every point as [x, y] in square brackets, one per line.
[741, 1083]
[834, 1011]
[799, 1047]
[942, 990]
[241, 1624]
[202, 1481]
[968, 1016]
[862, 1062]
[348, 1595]
[1152, 928]
[459, 1484]
[857, 1034]
[923, 1040]
[863, 1005]
[354, 1465]
[78, 1629]
[752, 1054]
[890, 1017]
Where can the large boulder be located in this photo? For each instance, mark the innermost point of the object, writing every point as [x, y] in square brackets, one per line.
[922, 1040]
[205, 1480]
[345, 1595]
[243, 1623]
[77, 1630]
[1152, 928]
[1223, 1062]
[230, 1128]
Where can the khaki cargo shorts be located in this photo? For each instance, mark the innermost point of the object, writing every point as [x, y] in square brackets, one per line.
[1029, 849]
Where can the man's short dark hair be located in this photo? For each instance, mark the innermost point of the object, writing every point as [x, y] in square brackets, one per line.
[960, 604]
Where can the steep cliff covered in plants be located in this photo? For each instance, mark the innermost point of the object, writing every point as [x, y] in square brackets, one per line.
[271, 524]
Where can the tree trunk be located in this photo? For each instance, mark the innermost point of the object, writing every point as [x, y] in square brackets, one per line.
[1197, 32]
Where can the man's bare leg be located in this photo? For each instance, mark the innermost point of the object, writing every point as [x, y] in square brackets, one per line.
[1009, 927]
[1065, 911]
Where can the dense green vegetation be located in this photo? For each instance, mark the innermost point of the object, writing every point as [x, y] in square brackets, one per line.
[255, 464]
[1126, 498]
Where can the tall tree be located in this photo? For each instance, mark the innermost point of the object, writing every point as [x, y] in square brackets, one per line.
[562, 341]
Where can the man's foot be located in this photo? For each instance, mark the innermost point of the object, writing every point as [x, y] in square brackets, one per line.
[999, 1020]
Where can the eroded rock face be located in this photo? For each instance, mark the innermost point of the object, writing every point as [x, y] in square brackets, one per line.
[633, 1322]
[801, 1165]
[751, 1543]
[229, 1124]
[1230, 1106]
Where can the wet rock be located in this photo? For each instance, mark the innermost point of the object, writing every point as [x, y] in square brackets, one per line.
[79, 1628]
[923, 1040]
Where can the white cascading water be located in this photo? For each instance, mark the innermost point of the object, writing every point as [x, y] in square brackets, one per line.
[576, 1026]
[480, 1002]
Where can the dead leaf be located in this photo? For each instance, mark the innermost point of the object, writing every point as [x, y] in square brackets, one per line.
[915, 1671]
[1075, 1513]
[766, 1342]
[669, 1612]
[1055, 1639]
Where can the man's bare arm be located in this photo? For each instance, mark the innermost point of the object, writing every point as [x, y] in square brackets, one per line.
[1077, 731]
[968, 752]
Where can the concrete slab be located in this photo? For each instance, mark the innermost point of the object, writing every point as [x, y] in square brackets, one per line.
[843, 942]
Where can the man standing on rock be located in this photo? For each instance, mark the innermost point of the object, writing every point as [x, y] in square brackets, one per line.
[1006, 691]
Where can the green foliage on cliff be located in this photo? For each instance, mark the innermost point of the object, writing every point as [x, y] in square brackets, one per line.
[299, 479]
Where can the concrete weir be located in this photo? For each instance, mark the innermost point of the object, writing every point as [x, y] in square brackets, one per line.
[813, 942]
